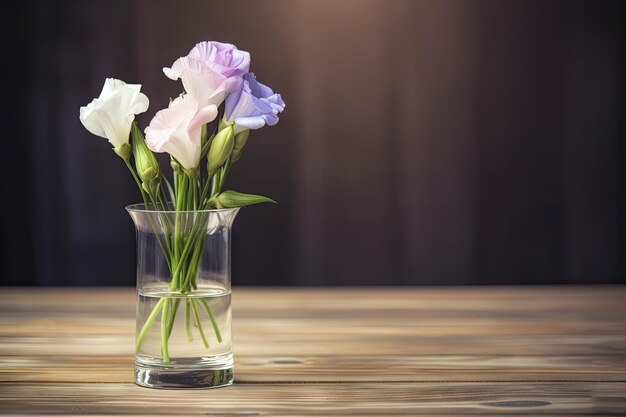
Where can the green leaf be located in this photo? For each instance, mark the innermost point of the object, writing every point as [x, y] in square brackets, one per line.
[232, 198]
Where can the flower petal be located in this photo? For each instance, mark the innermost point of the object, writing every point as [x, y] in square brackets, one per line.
[201, 82]
[112, 116]
[139, 104]
[205, 115]
[257, 89]
[170, 73]
[250, 122]
[169, 130]
[230, 104]
[110, 85]
[249, 105]
[223, 58]
[89, 119]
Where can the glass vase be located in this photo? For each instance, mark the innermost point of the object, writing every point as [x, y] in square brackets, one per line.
[183, 336]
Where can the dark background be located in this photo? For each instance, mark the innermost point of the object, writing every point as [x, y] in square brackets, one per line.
[424, 142]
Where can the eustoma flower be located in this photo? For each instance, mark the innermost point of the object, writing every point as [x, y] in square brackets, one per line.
[111, 114]
[177, 129]
[210, 71]
[253, 106]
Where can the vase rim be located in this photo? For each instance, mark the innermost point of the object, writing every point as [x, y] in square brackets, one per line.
[141, 208]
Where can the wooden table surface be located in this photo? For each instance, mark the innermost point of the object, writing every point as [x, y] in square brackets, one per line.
[357, 351]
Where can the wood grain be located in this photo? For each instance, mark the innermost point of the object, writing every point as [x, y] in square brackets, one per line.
[316, 399]
[344, 351]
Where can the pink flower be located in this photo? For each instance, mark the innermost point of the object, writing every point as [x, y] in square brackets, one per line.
[210, 71]
[176, 130]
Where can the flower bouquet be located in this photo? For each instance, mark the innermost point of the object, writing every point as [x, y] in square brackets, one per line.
[183, 226]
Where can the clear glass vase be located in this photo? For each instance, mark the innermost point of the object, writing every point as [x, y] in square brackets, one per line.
[183, 336]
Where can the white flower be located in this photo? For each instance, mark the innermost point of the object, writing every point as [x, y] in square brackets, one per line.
[111, 115]
[176, 130]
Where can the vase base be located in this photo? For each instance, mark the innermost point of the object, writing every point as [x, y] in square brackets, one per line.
[172, 378]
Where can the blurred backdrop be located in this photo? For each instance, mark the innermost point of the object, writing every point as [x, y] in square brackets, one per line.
[424, 142]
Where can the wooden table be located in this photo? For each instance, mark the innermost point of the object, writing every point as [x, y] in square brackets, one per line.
[377, 351]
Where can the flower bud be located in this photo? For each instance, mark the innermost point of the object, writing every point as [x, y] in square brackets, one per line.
[147, 166]
[220, 150]
[241, 139]
[231, 198]
[149, 174]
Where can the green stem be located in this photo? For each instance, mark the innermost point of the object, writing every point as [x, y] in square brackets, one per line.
[170, 191]
[164, 336]
[148, 323]
[187, 329]
[225, 170]
[170, 325]
[145, 202]
[180, 196]
[190, 278]
[198, 325]
[216, 183]
[164, 221]
[196, 193]
[189, 199]
[180, 262]
[203, 194]
[209, 313]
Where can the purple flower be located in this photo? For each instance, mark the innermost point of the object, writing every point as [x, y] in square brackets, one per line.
[210, 71]
[253, 106]
[223, 58]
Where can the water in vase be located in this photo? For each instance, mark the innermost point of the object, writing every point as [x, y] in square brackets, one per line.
[188, 333]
